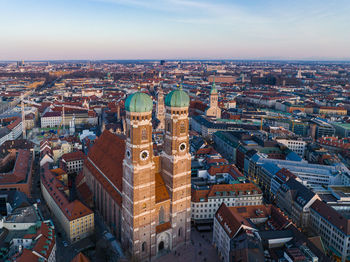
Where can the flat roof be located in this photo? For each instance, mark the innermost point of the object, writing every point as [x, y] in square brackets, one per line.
[343, 125]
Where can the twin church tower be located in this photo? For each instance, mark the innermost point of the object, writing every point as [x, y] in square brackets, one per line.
[156, 189]
[144, 195]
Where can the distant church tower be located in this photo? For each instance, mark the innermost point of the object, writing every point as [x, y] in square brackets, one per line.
[160, 110]
[138, 212]
[176, 164]
[214, 110]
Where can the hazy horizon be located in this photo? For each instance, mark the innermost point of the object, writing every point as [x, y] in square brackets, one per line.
[307, 30]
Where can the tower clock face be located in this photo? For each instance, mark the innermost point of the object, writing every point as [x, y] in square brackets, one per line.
[182, 146]
[144, 155]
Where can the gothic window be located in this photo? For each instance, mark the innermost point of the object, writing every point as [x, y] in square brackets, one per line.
[180, 232]
[129, 132]
[114, 214]
[161, 215]
[105, 208]
[144, 246]
[182, 127]
[144, 134]
[168, 127]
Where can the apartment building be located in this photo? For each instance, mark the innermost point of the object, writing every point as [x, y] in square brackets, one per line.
[51, 119]
[76, 219]
[298, 146]
[205, 202]
[295, 200]
[38, 243]
[334, 228]
[73, 162]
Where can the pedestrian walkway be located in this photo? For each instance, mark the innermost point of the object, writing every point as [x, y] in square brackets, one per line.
[199, 249]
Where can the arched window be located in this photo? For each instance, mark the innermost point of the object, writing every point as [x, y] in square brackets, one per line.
[144, 134]
[168, 127]
[182, 127]
[161, 215]
[144, 246]
[180, 231]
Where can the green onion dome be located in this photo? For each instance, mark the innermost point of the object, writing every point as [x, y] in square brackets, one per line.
[177, 98]
[138, 102]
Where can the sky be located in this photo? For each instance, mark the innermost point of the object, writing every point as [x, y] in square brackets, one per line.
[174, 29]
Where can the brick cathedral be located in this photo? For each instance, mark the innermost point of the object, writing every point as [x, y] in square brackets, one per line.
[145, 197]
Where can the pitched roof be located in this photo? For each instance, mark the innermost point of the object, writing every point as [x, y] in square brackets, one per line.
[14, 123]
[80, 258]
[162, 227]
[43, 236]
[300, 193]
[52, 114]
[162, 193]
[334, 217]
[230, 169]
[224, 190]
[21, 170]
[106, 156]
[232, 218]
[73, 156]
[229, 220]
[72, 210]
[246, 188]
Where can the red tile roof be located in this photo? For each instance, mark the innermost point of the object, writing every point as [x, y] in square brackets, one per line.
[80, 258]
[230, 169]
[224, 190]
[44, 242]
[52, 114]
[85, 193]
[162, 227]
[14, 123]
[74, 156]
[72, 210]
[106, 156]
[21, 169]
[232, 218]
[206, 151]
[162, 193]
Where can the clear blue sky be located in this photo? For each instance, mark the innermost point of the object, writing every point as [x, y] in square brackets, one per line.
[174, 29]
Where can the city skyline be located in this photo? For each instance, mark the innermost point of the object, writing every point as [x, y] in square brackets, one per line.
[174, 29]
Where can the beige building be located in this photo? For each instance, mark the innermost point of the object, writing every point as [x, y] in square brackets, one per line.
[214, 109]
[329, 110]
[204, 203]
[57, 148]
[76, 219]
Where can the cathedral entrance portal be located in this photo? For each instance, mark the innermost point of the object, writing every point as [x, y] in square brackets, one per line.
[160, 246]
[163, 243]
